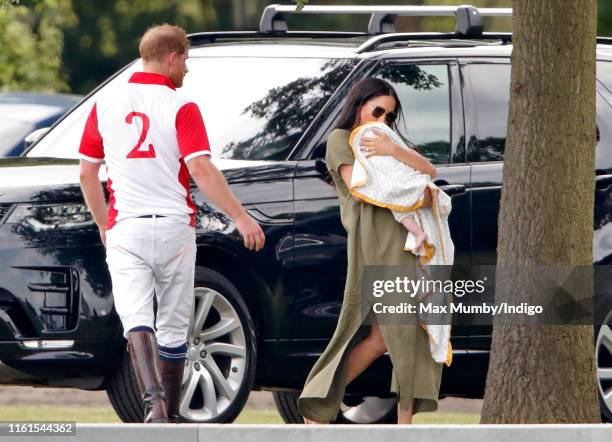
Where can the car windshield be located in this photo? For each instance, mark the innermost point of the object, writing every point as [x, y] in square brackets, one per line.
[254, 108]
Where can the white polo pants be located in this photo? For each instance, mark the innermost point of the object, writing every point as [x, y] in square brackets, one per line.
[148, 256]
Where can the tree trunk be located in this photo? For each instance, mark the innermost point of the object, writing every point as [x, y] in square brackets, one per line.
[546, 374]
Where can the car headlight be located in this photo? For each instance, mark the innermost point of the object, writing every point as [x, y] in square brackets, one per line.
[44, 217]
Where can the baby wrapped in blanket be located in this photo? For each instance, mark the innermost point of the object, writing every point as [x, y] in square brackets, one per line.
[385, 181]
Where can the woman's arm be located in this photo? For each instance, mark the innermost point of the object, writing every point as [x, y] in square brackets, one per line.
[383, 145]
[346, 172]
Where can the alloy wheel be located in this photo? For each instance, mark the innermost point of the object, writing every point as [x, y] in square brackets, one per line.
[215, 366]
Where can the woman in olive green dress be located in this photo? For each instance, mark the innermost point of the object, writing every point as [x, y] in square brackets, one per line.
[373, 238]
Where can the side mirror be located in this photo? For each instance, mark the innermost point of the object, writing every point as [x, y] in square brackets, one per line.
[35, 136]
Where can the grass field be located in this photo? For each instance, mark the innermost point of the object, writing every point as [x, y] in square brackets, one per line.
[107, 415]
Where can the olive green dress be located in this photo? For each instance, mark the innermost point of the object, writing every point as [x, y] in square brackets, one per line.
[373, 238]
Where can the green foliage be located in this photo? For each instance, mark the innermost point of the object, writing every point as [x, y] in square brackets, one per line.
[107, 33]
[447, 24]
[7, 3]
[300, 4]
[32, 42]
[604, 19]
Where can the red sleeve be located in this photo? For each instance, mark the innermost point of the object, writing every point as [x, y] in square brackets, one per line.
[190, 132]
[92, 147]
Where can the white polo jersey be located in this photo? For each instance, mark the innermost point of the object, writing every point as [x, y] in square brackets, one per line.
[145, 132]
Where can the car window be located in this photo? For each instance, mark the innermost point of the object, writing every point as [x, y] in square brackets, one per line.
[253, 108]
[424, 94]
[490, 86]
[603, 152]
[604, 74]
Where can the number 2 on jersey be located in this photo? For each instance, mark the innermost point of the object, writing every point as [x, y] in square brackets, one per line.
[136, 152]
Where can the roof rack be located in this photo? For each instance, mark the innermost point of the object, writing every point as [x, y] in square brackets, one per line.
[382, 18]
[374, 42]
[199, 38]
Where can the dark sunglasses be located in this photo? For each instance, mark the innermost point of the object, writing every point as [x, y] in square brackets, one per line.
[378, 112]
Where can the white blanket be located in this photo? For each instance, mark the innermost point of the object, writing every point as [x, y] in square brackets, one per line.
[387, 182]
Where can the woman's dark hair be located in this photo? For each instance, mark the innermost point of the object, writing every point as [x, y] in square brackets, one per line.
[360, 93]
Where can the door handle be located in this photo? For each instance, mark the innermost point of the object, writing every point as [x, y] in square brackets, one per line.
[603, 181]
[452, 189]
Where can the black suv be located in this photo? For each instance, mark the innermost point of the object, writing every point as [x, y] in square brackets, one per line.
[269, 99]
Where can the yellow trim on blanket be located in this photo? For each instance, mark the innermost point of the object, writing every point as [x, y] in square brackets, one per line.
[435, 190]
[351, 140]
[395, 207]
[430, 252]
[449, 348]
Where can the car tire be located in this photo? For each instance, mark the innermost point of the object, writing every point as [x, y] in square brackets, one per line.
[286, 404]
[368, 410]
[123, 393]
[219, 372]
